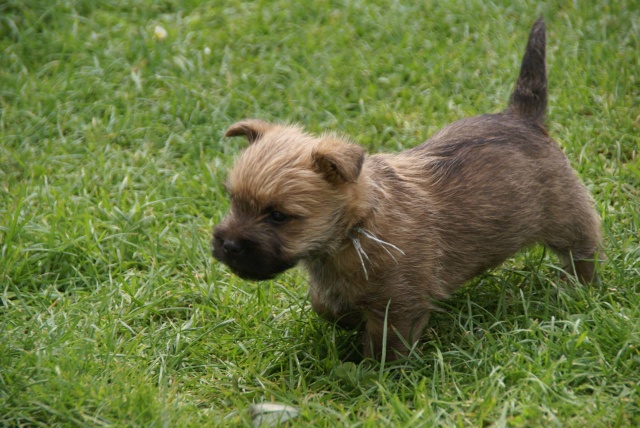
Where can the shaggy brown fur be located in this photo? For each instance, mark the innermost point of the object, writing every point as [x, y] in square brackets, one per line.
[384, 235]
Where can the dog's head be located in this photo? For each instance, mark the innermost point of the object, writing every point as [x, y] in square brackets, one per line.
[293, 196]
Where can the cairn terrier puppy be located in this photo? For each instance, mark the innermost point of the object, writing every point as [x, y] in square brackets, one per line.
[383, 236]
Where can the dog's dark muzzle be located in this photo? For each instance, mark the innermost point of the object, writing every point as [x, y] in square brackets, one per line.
[248, 259]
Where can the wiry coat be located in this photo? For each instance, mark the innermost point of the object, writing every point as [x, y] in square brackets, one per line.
[382, 236]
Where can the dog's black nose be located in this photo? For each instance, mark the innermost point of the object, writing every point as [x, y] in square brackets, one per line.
[232, 247]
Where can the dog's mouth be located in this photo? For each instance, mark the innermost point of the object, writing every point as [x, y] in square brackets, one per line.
[258, 274]
[248, 260]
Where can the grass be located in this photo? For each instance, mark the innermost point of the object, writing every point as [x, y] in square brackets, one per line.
[112, 159]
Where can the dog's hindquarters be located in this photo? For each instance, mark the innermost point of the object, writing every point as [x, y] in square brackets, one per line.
[501, 184]
[574, 233]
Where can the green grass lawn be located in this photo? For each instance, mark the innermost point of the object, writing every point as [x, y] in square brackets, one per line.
[112, 160]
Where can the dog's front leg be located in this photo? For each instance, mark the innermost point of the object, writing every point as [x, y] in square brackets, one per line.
[347, 318]
[401, 331]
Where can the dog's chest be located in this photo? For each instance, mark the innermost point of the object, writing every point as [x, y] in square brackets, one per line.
[337, 285]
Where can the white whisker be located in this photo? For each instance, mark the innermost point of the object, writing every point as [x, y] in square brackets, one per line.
[376, 239]
[360, 250]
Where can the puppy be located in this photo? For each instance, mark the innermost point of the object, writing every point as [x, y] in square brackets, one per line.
[383, 236]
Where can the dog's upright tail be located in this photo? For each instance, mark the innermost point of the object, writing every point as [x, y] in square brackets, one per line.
[529, 98]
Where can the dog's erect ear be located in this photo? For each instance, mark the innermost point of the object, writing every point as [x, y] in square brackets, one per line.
[338, 161]
[253, 129]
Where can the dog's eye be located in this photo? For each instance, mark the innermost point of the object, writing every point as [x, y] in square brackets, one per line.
[277, 217]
